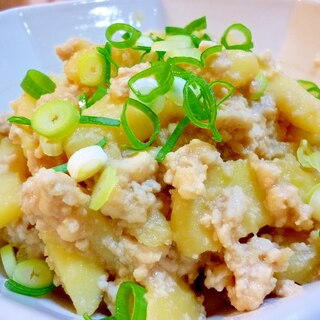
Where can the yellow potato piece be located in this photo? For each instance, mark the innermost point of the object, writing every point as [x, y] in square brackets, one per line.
[79, 275]
[192, 237]
[298, 106]
[179, 302]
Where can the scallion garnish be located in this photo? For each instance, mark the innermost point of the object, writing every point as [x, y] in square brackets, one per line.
[103, 121]
[171, 31]
[61, 168]
[137, 144]
[162, 72]
[103, 142]
[98, 95]
[245, 45]
[130, 302]
[36, 84]
[32, 292]
[20, 120]
[132, 35]
[310, 87]
[8, 259]
[210, 51]
[186, 60]
[227, 85]
[200, 105]
[172, 140]
[196, 25]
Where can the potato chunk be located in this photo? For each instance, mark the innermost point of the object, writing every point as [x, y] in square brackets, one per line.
[79, 275]
[300, 107]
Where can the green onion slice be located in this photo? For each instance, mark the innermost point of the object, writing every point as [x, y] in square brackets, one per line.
[310, 87]
[32, 292]
[186, 60]
[196, 25]
[33, 273]
[307, 157]
[130, 302]
[258, 86]
[132, 35]
[61, 168]
[103, 121]
[20, 120]
[135, 142]
[200, 105]
[172, 31]
[36, 84]
[55, 119]
[98, 95]
[103, 188]
[8, 258]
[210, 51]
[247, 43]
[161, 72]
[226, 85]
[103, 142]
[172, 139]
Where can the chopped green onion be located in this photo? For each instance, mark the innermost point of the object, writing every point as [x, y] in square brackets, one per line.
[82, 101]
[103, 142]
[310, 87]
[98, 95]
[33, 273]
[307, 157]
[258, 86]
[8, 259]
[106, 52]
[32, 292]
[226, 85]
[172, 43]
[315, 202]
[210, 51]
[103, 188]
[201, 108]
[185, 60]
[162, 72]
[103, 121]
[55, 119]
[172, 31]
[86, 162]
[51, 148]
[130, 302]
[92, 68]
[36, 84]
[196, 25]
[245, 45]
[135, 142]
[61, 168]
[20, 120]
[132, 35]
[172, 139]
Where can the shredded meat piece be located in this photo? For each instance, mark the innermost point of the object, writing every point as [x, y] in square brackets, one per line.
[286, 288]
[119, 88]
[218, 277]
[187, 168]
[4, 124]
[253, 265]
[55, 202]
[133, 198]
[68, 49]
[282, 199]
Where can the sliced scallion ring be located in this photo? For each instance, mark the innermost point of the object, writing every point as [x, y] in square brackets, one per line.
[311, 87]
[61, 168]
[258, 86]
[132, 35]
[102, 121]
[229, 87]
[245, 45]
[130, 302]
[98, 95]
[196, 25]
[162, 73]
[172, 139]
[8, 259]
[103, 188]
[33, 273]
[20, 120]
[16, 287]
[36, 84]
[137, 144]
[55, 119]
[210, 51]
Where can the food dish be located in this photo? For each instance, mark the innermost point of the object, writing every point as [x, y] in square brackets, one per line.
[259, 310]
